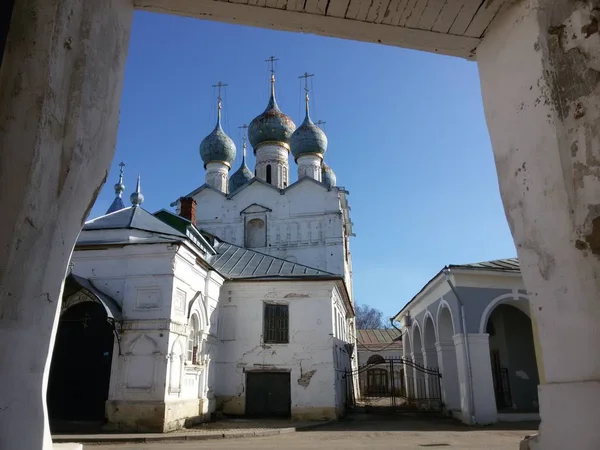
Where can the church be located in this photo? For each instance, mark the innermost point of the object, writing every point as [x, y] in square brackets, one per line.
[237, 301]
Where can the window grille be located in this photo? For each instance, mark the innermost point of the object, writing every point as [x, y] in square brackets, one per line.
[276, 324]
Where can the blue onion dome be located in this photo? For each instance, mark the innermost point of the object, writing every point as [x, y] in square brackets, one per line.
[217, 146]
[272, 125]
[241, 176]
[308, 138]
[328, 175]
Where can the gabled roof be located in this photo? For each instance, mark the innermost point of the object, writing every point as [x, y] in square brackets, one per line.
[502, 265]
[506, 265]
[237, 262]
[379, 339]
[133, 217]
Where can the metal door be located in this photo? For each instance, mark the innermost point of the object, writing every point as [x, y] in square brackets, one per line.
[268, 394]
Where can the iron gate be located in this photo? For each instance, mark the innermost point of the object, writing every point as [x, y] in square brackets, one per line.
[394, 385]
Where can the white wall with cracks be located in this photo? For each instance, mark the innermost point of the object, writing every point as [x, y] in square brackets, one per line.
[310, 356]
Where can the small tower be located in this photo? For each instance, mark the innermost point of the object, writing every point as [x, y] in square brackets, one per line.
[137, 198]
[117, 203]
[218, 152]
[308, 143]
[243, 174]
[269, 135]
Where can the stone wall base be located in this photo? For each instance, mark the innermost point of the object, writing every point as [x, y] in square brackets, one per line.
[153, 416]
[315, 413]
[231, 404]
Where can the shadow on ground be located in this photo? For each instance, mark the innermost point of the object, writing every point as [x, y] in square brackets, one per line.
[413, 422]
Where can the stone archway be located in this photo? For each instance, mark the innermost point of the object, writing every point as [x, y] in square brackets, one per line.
[447, 358]
[419, 382]
[81, 365]
[513, 359]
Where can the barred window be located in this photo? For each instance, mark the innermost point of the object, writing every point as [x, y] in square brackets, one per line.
[276, 324]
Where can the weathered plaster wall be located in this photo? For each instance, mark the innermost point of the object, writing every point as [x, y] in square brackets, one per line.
[539, 77]
[309, 354]
[60, 88]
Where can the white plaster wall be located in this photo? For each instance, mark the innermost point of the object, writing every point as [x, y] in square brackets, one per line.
[157, 287]
[305, 224]
[311, 345]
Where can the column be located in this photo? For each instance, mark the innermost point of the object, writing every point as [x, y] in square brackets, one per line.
[419, 389]
[60, 89]
[539, 66]
[478, 382]
[432, 382]
[450, 387]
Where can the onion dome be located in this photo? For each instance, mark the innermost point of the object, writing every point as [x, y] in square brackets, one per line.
[272, 125]
[217, 146]
[328, 175]
[308, 139]
[137, 198]
[242, 175]
[117, 203]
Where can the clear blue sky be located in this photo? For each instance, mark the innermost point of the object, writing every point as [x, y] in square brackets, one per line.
[407, 138]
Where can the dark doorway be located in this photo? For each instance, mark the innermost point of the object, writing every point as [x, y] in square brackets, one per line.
[80, 369]
[6, 8]
[268, 394]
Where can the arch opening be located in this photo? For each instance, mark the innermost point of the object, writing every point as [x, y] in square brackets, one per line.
[81, 364]
[375, 359]
[513, 360]
[256, 233]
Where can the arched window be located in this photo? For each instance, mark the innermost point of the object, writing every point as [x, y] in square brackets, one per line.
[269, 173]
[375, 359]
[256, 233]
[193, 339]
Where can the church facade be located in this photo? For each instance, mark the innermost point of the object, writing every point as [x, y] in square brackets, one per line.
[239, 301]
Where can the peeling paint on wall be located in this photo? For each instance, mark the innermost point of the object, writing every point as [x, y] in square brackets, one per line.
[305, 378]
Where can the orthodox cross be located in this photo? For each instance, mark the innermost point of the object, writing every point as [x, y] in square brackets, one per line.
[271, 61]
[306, 76]
[244, 127]
[320, 122]
[121, 165]
[219, 85]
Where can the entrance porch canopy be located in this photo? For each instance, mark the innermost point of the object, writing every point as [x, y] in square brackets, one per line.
[448, 27]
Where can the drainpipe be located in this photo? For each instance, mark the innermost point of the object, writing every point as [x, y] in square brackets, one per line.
[463, 325]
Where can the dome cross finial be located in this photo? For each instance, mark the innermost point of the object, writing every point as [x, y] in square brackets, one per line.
[219, 85]
[244, 127]
[137, 198]
[120, 187]
[306, 76]
[271, 61]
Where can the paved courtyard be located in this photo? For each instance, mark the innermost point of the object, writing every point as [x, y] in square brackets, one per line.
[368, 432]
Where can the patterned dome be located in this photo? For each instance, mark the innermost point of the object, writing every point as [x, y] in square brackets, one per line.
[272, 125]
[328, 176]
[217, 146]
[308, 139]
[240, 177]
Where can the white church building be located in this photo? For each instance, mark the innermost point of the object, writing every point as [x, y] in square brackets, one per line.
[239, 301]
